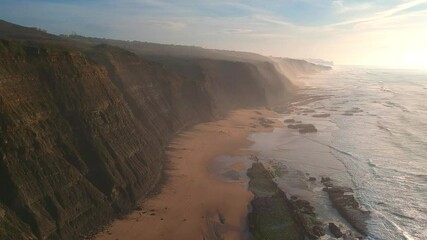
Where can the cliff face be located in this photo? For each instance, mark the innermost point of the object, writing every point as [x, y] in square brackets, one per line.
[83, 130]
[277, 76]
[294, 68]
[70, 147]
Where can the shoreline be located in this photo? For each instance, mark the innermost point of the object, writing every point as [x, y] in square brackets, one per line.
[210, 193]
[195, 203]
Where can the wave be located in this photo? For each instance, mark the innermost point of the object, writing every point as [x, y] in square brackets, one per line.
[391, 104]
[410, 150]
[402, 215]
[417, 84]
[403, 173]
[383, 227]
[386, 224]
[383, 151]
[381, 126]
[382, 88]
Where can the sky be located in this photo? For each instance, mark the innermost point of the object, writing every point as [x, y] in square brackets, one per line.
[389, 33]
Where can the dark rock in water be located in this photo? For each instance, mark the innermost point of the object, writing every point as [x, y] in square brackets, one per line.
[303, 128]
[325, 179]
[318, 231]
[302, 203]
[306, 128]
[335, 230]
[322, 115]
[289, 120]
[293, 197]
[312, 179]
[343, 200]
[352, 111]
[308, 111]
[265, 122]
[305, 207]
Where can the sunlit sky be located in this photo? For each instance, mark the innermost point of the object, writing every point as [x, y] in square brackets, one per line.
[366, 32]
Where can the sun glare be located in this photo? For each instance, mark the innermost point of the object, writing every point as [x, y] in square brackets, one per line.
[415, 59]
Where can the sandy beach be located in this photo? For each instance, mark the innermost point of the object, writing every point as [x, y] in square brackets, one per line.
[195, 203]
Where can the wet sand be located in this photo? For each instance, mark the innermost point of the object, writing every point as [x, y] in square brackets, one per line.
[196, 203]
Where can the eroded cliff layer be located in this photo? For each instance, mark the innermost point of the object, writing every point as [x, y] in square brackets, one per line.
[83, 128]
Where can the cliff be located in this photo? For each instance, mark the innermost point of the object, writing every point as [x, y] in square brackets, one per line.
[83, 126]
[284, 71]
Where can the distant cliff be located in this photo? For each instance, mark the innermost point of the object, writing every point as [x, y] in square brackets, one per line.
[84, 125]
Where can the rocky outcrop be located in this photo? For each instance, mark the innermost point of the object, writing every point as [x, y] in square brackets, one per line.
[289, 120]
[274, 215]
[271, 217]
[83, 128]
[335, 230]
[321, 115]
[303, 128]
[343, 200]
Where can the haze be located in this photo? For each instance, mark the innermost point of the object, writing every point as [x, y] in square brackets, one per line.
[383, 33]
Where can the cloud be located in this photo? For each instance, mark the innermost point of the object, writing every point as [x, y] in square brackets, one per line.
[382, 14]
[239, 31]
[342, 8]
[295, 28]
[169, 25]
[286, 24]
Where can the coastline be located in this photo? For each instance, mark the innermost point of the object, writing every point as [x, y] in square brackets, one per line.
[217, 188]
[195, 203]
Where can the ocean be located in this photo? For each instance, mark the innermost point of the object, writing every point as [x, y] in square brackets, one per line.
[371, 137]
